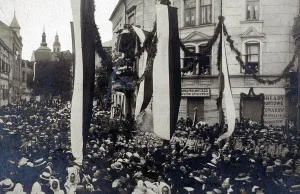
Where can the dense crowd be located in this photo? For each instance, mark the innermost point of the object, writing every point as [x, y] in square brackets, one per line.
[36, 156]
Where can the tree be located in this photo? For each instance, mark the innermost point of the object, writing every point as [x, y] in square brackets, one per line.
[53, 78]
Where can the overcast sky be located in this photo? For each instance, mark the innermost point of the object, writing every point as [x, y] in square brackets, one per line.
[55, 16]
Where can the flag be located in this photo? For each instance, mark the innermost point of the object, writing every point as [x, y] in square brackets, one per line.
[82, 100]
[228, 99]
[166, 73]
[144, 96]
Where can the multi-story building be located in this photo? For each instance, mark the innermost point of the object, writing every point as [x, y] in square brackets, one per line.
[261, 30]
[12, 38]
[6, 57]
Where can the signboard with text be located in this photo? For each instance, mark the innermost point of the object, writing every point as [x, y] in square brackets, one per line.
[195, 92]
[275, 110]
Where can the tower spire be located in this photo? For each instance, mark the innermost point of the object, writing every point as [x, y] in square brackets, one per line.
[44, 43]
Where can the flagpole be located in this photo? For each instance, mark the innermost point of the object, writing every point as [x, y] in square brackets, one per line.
[220, 73]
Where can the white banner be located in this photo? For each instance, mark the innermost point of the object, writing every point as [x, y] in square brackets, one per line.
[77, 99]
[166, 73]
[140, 96]
[228, 99]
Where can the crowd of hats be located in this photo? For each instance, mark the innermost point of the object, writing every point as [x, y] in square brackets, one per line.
[35, 146]
[35, 150]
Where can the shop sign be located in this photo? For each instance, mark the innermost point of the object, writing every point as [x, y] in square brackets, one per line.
[275, 109]
[195, 92]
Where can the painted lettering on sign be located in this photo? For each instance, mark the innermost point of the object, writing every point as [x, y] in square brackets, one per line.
[275, 110]
[197, 92]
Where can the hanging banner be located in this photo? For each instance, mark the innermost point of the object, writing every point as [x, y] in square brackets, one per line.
[228, 98]
[166, 73]
[84, 78]
[77, 103]
[143, 96]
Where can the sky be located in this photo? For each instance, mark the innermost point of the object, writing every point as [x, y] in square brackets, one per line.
[53, 15]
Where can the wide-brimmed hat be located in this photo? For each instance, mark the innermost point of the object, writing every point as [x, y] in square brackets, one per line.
[117, 166]
[241, 177]
[277, 162]
[269, 169]
[7, 184]
[45, 176]
[288, 172]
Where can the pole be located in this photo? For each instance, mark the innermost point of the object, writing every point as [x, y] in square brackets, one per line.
[220, 72]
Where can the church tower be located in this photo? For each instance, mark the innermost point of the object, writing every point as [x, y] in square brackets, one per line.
[15, 25]
[56, 44]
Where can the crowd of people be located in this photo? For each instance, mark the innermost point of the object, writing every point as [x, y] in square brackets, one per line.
[36, 156]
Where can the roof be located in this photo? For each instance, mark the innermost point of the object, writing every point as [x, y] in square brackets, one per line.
[44, 48]
[14, 23]
[115, 10]
[42, 55]
[56, 43]
[5, 46]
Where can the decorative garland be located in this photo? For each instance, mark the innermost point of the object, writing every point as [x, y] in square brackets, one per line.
[251, 71]
[210, 43]
[150, 45]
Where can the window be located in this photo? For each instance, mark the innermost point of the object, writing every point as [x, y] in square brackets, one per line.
[131, 19]
[204, 61]
[189, 60]
[190, 12]
[130, 14]
[23, 76]
[252, 56]
[205, 11]
[252, 9]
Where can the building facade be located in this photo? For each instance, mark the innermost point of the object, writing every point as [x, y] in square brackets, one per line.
[6, 57]
[265, 41]
[12, 38]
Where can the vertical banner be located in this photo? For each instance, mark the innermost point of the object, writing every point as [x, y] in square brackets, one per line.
[82, 100]
[228, 99]
[77, 102]
[166, 73]
[144, 96]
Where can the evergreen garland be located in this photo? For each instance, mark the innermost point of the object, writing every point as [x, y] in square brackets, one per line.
[251, 71]
[210, 43]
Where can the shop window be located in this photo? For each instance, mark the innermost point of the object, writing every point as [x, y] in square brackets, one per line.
[252, 12]
[190, 12]
[252, 109]
[206, 11]
[252, 56]
[192, 103]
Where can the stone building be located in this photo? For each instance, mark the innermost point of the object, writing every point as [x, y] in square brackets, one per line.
[6, 57]
[12, 38]
[261, 30]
